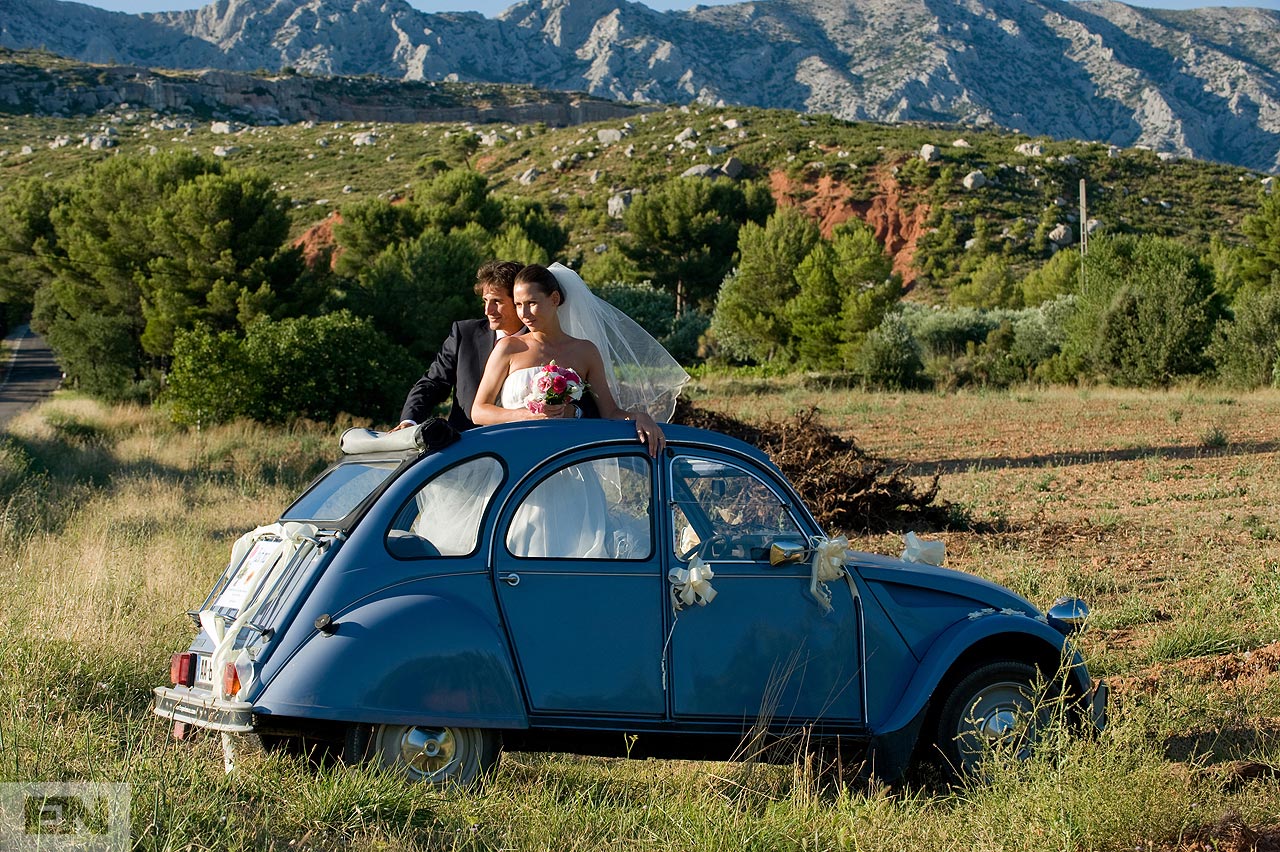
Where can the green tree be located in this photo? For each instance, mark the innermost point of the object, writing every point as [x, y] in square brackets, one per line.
[105, 229]
[750, 320]
[846, 286]
[316, 367]
[890, 357]
[455, 199]
[215, 240]
[684, 233]
[865, 270]
[1145, 313]
[512, 242]
[537, 224]
[368, 228]
[414, 291]
[26, 237]
[1245, 349]
[610, 266]
[1057, 277]
[1260, 256]
[815, 333]
[991, 285]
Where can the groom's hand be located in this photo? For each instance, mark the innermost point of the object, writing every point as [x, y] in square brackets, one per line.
[552, 412]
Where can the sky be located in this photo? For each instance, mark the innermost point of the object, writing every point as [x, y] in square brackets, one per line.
[493, 7]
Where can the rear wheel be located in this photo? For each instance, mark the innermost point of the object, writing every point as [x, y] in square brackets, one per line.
[435, 755]
[994, 706]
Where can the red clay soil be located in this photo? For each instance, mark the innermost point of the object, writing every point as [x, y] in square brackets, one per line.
[830, 202]
[317, 241]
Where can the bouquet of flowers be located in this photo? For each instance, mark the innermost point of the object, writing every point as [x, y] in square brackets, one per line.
[553, 385]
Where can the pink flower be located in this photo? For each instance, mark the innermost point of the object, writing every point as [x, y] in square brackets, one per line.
[544, 383]
[559, 383]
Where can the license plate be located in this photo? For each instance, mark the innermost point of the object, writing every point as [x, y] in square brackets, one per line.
[204, 669]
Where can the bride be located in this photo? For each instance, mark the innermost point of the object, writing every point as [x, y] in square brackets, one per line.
[566, 515]
[630, 375]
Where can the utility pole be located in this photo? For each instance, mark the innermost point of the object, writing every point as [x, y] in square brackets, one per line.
[1084, 233]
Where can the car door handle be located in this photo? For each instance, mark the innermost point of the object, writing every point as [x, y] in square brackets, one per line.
[511, 579]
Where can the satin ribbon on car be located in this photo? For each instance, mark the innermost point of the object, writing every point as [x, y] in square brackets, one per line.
[691, 585]
[829, 556]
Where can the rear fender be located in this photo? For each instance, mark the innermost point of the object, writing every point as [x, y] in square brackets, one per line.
[998, 635]
[403, 659]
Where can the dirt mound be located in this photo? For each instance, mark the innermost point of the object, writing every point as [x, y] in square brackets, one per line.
[848, 490]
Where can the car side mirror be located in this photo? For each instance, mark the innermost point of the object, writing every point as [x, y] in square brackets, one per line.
[787, 552]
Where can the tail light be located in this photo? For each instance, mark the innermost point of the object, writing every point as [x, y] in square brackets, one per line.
[182, 668]
[230, 680]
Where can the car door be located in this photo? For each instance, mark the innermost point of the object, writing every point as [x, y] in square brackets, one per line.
[764, 647]
[580, 582]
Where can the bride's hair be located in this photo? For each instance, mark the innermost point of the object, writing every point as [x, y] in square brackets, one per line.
[544, 279]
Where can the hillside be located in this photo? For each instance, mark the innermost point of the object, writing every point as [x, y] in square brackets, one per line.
[1201, 83]
[587, 172]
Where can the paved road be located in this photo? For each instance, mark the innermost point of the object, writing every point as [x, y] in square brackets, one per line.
[31, 376]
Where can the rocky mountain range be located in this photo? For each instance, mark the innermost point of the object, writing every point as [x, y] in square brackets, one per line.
[1202, 83]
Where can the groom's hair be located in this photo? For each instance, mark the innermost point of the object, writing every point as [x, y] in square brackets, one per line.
[544, 278]
[497, 273]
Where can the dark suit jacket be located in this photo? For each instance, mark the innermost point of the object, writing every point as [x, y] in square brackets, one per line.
[458, 368]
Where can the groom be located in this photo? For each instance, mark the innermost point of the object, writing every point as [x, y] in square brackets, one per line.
[459, 365]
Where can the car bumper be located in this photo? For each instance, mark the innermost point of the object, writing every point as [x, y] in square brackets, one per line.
[202, 709]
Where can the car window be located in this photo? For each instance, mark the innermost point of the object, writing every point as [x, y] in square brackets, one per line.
[714, 498]
[598, 509]
[447, 511]
[339, 491]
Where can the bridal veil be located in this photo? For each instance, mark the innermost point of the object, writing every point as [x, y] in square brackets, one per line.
[644, 374]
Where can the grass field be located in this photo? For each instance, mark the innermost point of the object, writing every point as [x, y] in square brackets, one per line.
[1159, 508]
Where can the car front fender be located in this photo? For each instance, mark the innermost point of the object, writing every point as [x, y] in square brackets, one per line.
[983, 636]
[401, 659]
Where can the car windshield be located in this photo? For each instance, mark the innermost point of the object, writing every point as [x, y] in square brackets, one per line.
[340, 491]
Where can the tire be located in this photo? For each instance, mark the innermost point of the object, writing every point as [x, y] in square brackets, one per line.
[994, 706]
[440, 756]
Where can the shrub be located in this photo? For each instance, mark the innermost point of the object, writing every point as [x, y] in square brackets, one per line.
[943, 333]
[1244, 350]
[653, 309]
[1146, 311]
[890, 357]
[685, 342]
[314, 367]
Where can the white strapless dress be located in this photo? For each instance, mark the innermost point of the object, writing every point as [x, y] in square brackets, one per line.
[564, 517]
[516, 388]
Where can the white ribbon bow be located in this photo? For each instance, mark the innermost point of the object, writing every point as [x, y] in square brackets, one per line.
[828, 564]
[691, 585]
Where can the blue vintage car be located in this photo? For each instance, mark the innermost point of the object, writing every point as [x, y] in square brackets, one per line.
[549, 585]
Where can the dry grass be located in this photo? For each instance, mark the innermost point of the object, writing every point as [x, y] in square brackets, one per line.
[1159, 508]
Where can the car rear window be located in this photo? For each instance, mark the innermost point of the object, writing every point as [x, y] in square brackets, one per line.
[340, 491]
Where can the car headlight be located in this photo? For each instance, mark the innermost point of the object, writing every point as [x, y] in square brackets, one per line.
[1068, 614]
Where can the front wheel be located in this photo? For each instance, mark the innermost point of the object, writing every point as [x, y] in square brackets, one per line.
[434, 755]
[994, 706]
